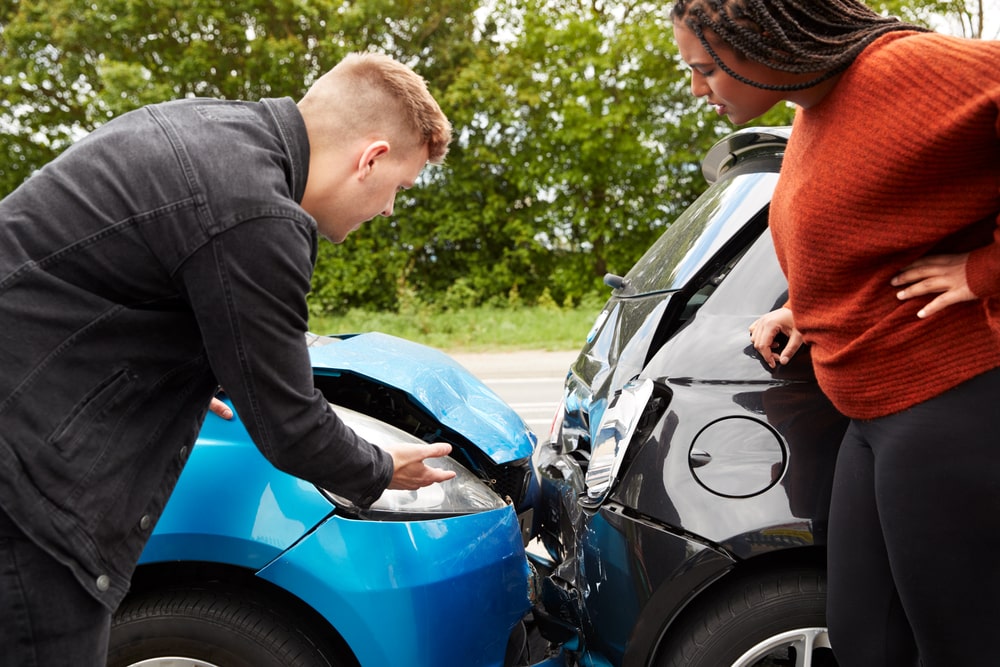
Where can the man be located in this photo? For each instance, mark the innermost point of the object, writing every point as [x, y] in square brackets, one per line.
[169, 252]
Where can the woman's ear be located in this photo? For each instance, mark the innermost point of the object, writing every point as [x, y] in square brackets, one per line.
[371, 153]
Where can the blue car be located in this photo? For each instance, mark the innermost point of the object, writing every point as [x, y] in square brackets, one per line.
[249, 566]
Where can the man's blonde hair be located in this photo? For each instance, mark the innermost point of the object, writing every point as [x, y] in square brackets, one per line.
[371, 93]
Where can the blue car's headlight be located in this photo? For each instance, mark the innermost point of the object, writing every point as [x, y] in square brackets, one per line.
[463, 494]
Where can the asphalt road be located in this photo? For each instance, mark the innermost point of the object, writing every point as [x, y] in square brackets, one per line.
[531, 382]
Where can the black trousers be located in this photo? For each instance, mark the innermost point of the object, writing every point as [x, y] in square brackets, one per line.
[915, 534]
[47, 619]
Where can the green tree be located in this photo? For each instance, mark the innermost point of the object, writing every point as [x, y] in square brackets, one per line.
[609, 139]
[66, 66]
[575, 146]
[577, 139]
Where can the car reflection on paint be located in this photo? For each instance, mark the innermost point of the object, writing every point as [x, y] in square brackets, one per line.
[686, 484]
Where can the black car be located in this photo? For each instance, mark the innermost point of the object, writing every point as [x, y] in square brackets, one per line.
[685, 483]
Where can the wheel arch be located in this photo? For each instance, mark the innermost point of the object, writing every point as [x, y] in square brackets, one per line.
[801, 558]
[241, 582]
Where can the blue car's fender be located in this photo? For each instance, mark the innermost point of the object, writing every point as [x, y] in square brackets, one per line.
[232, 506]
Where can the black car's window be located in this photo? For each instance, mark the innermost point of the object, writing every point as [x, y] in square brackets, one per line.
[696, 236]
[754, 286]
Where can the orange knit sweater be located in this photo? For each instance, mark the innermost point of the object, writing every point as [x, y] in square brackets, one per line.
[900, 160]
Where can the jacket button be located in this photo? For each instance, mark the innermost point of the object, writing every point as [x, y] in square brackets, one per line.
[103, 583]
[183, 453]
[145, 522]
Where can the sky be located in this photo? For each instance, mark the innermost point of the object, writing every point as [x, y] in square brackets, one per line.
[991, 10]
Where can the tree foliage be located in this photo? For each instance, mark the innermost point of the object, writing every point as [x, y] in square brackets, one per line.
[575, 145]
[577, 139]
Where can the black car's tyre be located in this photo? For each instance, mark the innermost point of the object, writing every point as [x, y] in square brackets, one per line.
[201, 628]
[769, 619]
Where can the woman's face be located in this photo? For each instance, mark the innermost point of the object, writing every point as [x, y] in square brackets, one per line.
[738, 101]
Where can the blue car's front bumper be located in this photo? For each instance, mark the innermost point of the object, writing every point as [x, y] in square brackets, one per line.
[415, 593]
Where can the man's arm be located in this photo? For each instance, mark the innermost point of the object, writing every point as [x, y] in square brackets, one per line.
[247, 287]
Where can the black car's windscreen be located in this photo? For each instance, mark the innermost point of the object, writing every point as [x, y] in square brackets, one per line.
[699, 232]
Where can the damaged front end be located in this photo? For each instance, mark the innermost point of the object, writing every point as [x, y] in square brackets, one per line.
[580, 465]
[682, 472]
[428, 395]
[374, 585]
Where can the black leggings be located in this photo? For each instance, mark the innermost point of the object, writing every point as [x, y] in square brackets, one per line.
[914, 546]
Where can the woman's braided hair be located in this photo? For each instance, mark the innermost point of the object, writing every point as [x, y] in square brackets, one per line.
[798, 36]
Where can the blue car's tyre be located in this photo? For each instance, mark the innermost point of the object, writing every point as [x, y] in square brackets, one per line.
[764, 620]
[184, 628]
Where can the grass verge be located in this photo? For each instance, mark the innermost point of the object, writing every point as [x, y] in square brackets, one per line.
[473, 329]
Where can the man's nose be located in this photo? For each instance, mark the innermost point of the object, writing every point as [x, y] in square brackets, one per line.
[387, 211]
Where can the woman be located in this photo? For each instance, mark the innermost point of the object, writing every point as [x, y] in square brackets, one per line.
[885, 221]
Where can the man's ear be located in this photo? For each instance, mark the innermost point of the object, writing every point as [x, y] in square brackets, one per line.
[369, 155]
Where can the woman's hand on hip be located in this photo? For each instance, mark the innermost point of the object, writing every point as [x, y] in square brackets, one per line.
[943, 275]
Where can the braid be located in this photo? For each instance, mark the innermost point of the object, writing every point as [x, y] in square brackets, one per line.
[797, 36]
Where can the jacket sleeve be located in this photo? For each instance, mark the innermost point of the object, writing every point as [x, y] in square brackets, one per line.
[247, 287]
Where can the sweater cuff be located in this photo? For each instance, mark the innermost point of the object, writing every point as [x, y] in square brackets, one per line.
[982, 271]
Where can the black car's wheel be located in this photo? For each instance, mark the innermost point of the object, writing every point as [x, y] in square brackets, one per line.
[767, 620]
[201, 628]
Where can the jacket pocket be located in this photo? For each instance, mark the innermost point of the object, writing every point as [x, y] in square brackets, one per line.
[93, 416]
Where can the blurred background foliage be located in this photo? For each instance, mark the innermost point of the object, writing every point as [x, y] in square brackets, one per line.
[576, 138]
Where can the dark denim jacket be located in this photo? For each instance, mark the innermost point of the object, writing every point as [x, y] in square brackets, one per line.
[159, 257]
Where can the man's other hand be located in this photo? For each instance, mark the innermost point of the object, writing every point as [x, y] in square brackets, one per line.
[220, 408]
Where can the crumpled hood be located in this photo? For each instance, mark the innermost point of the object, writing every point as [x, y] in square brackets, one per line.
[442, 386]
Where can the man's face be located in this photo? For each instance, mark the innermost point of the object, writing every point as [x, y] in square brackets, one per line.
[342, 205]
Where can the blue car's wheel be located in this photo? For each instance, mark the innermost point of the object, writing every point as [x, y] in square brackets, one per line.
[188, 628]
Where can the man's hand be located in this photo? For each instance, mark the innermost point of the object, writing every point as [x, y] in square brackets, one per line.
[943, 275]
[409, 470]
[220, 408]
[765, 330]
